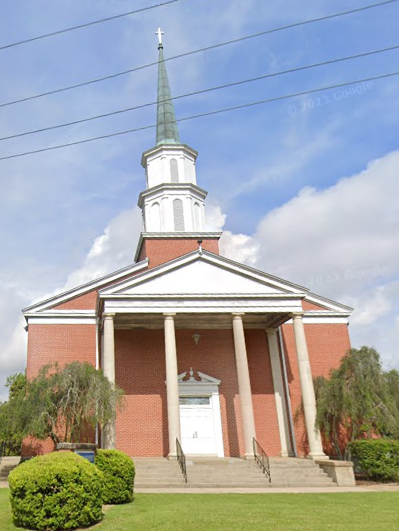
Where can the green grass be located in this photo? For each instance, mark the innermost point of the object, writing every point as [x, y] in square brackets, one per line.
[372, 511]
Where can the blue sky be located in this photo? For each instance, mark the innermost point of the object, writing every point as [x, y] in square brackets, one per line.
[304, 188]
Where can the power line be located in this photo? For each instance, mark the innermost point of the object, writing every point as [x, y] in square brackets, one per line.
[86, 25]
[193, 52]
[210, 113]
[227, 85]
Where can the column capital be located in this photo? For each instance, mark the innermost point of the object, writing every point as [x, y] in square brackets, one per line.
[271, 331]
[297, 315]
[169, 315]
[108, 316]
[237, 315]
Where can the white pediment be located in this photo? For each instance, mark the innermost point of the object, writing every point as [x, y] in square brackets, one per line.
[189, 377]
[200, 278]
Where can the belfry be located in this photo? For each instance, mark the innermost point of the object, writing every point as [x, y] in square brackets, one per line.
[214, 357]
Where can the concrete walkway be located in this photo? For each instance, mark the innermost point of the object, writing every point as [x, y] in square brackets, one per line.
[271, 490]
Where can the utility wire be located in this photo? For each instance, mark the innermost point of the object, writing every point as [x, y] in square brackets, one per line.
[86, 25]
[210, 113]
[186, 54]
[195, 93]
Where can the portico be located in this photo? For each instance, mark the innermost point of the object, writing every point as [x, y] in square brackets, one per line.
[133, 305]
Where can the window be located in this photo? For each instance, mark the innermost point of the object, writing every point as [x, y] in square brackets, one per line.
[178, 215]
[174, 171]
[194, 401]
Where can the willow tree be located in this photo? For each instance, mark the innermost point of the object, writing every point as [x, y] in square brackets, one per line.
[10, 417]
[358, 400]
[66, 403]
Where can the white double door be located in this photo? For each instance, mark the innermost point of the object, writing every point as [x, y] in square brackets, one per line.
[197, 426]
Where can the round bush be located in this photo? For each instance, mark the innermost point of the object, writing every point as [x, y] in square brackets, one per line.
[56, 491]
[378, 458]
[118, 470]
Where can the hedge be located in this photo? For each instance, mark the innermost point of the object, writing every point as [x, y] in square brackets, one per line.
[56, 491]
[118, 470]
[378, 458]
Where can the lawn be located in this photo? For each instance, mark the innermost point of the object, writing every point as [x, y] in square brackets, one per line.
[372, 511]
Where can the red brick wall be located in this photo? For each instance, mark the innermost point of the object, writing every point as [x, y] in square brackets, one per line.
[327, 344]
[88, 301]
[140, 371]
[263, 400]
[306, 305]
[163, 250]
[83, 302]
[62, 344]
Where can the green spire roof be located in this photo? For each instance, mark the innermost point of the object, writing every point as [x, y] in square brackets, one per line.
[167, 132]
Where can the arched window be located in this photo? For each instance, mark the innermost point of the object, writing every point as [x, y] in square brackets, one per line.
[178, 215]
[155, 217]
[174, 171]
[197, 216]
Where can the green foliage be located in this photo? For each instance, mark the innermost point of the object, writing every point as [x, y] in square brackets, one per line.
[56, 491]
[378, 458]
[64, 403]
[10, 427]
[118, 469]
[358, 400]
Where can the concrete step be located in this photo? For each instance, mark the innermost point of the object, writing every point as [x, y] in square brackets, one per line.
[7, 464]
[210, 472]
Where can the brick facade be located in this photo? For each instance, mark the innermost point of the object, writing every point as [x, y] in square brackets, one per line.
[327, 344]
[140, 371]
[162, 250]
[61, 343]
[141, 428]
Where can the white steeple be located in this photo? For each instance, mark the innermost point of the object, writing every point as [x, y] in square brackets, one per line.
[172, 201]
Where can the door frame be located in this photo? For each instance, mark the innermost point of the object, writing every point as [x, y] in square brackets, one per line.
[205, 386]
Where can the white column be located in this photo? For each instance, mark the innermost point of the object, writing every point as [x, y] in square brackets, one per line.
[108, 439]
[307, 389]
[172, 384]
[244, 385]
[278, 384]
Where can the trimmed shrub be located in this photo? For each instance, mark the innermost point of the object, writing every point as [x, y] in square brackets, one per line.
[377, 458]
[56, 491]
[118, 470]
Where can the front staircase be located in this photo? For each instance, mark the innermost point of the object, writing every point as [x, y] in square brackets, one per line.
[7, 464]
[231, 473]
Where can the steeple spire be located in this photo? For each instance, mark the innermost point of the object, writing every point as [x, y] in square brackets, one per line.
[167, 131]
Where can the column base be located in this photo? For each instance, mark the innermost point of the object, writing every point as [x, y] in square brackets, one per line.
[248, 457]
[172, 456]
[318, 457]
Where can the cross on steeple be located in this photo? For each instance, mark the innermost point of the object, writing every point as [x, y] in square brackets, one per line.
[160, 33]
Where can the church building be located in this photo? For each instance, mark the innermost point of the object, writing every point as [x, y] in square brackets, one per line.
[209, 352]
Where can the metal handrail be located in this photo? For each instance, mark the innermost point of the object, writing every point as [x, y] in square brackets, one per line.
[181, 459]
[262, 459]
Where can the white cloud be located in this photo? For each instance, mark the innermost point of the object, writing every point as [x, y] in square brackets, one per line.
[114, 249]
[342, 243]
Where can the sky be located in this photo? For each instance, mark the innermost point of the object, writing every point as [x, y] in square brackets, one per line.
[304, 188]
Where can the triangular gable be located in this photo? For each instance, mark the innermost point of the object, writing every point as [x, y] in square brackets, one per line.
[200, 273]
